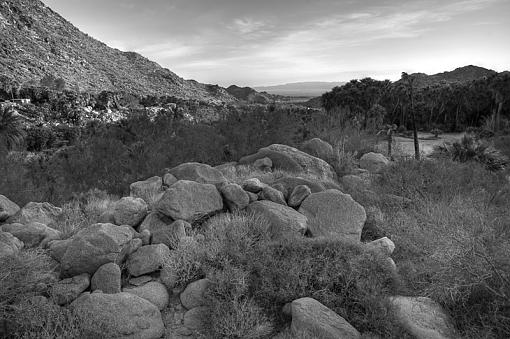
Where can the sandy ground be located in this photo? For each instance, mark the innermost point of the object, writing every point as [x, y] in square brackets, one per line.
[405, 146]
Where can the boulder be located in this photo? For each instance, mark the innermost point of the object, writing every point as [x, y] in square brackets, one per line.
[194, 294]
[154, 292]
[147, 259]
[283, 220]
[120, 315]
[67, 290]
[164, 230]
[333, 213]
[272, 194]
[374, 162]
[149, 190]
[196, 318]
[7, 208]
[190, 201]
[57, 248]
[382, 245]
[263, 164]
[235, 197]
[169, 179]
[318, 148]
[201, 173]
[41, 212]
[299, 194]
[130, 211]
[292, 160]
[422, 317]
[313, 318]
[95, 246]
[107, 279]
[32, 234]
[9, 244]
[253, 185]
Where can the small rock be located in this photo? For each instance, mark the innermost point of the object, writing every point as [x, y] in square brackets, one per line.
[130, 211]
[196, 318]
[193, 294]
[272, 194]
[67, 290]
[253, 197]
[57, 248]
[164, 230]
[147, 259]
[153, 291]
[319, 148]
[107, 279]
[300, 193]
[32, 234]
[253, 185]
[169, 179]
[197, 172]
[168, 277]
[235, 197]
[383, 245]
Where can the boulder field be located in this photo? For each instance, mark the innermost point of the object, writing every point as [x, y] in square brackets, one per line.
[112, 272]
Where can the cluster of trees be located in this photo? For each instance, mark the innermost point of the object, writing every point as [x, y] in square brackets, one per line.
[448, 106]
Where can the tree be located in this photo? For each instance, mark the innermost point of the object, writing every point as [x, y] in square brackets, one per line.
[11, 130]
[409, 82]
[500, 88]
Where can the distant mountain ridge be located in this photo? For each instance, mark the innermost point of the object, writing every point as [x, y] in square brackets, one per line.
[460, 75]
[36, 42]
[300, 89]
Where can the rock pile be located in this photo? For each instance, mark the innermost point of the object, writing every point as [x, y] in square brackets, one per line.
[141, 230]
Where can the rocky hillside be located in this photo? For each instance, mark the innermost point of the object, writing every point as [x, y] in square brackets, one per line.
[36, 42]
[459, 75]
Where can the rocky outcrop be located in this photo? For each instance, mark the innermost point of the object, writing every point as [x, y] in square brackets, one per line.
[95, 246]
[201, 173]
[292, 160]
[282, 219]
[333, 213]
[311, 318]
[190, 201]
[121, 315]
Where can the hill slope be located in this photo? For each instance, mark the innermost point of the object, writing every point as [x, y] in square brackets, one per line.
[35, 41]
[461, 74]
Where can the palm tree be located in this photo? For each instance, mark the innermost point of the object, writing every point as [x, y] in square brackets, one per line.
[11, 131]
[409, 82]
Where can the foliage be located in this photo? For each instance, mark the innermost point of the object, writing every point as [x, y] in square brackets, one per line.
[11, 132]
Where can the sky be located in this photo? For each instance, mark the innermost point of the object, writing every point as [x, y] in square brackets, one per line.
[267, 42]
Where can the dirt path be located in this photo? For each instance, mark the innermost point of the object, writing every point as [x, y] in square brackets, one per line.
[405, 146]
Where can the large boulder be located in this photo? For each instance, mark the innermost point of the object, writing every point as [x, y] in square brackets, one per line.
[32, 234]
[201, 173]
[318, 148]
[235, 197]
[333, 213]
[41, 212]
[95, 246]
[190, 201]
[121, 315]
[283, 220]
[67, 290]
[292, 160]
[194, 294]
[164, 230]
[7, 208]
[130, 211]
[373, 162]
[153, 291]
[149, 190]
[9, 244]
[147, 259]
[107, 279]
[422, 317]
[310, 317]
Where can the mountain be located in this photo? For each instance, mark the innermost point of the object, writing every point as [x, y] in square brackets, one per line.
[459, 75]
[36, 42]
[249, 95]
[300, 89]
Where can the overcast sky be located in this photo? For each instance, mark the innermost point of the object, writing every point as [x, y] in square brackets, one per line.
[264, 42]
